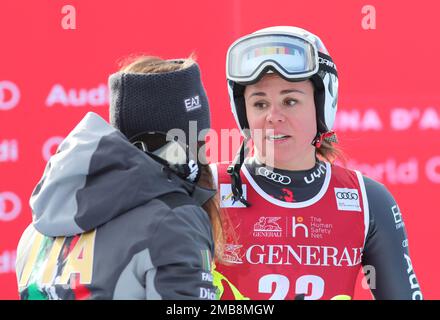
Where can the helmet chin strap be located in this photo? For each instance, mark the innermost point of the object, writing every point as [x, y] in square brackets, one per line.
[234, 172]
[234, 168]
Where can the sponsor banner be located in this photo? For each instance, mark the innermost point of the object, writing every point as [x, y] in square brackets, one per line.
[8, 150]
[10, 206]
[396, 119]
[404, 172]
[94, 97]
[7, 261]
[9, 95]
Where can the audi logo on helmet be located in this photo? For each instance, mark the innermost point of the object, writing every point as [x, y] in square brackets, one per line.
[347, 195]
[274, 176]
[10, 101]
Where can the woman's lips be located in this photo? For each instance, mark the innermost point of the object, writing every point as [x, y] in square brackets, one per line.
[278, 138]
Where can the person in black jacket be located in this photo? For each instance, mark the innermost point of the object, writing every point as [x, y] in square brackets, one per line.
[126, 211]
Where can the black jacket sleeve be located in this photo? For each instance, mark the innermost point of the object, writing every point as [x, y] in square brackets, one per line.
[182, 254]
[386, 261]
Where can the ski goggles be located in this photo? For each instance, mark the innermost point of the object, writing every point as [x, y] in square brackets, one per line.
[294, 57]
[170, 152]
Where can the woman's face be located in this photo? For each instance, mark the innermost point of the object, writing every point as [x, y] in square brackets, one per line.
[282, 119]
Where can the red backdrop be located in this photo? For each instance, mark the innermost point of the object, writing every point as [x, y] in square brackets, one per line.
[389, 108]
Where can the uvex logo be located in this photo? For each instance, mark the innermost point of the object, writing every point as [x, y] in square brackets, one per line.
[9, 95]
[320, 171]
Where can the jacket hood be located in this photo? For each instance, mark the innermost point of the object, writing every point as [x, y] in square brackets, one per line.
[97, 175]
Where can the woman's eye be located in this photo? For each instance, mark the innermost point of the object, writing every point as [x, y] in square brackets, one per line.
[290, 102]
[260, 105]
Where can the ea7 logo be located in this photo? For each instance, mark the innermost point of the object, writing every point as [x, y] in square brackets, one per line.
[192, 103]
[347, 199]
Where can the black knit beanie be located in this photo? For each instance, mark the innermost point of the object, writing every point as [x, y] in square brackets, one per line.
[141, 102]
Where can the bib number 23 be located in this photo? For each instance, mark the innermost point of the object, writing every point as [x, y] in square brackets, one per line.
[312, 287]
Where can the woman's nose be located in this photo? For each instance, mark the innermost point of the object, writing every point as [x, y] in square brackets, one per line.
[275, 115]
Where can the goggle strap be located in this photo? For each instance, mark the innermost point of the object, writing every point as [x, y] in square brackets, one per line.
[326, 63]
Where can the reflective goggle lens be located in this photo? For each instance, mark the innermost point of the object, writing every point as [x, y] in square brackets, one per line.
[292, 56]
